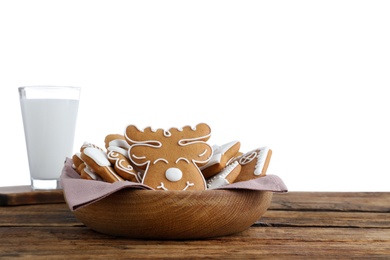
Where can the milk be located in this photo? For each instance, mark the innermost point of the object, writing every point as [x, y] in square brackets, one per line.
[49, 126]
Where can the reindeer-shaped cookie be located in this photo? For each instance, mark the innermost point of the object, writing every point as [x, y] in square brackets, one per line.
[170, 156]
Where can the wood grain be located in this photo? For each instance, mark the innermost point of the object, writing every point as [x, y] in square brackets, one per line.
[325, 219]
[285, 242]
[333, 201]
[44, 215]
[290, 229]
[175, 214]
[24, 195]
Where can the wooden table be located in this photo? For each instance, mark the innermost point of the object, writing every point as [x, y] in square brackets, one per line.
[302, 225]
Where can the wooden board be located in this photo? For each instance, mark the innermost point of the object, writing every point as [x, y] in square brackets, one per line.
[342, 226]
[24, 195]
[332, 201]
[255, 243]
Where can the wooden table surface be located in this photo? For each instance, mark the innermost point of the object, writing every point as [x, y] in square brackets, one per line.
[301, 225]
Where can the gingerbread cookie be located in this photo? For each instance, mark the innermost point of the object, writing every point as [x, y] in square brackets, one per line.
[86, 145]
[119, 141]
[227, 176]
[80, 166]
[170, 156]
[221, 157]
[116, 140]
[119, 158]
[254, 163]
[88, 174]
[97, 161]
[77, 161]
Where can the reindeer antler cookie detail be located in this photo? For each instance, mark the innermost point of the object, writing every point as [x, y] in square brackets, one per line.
[171, 156]
[173, 159]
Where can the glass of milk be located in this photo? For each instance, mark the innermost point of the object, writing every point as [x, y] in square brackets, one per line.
[49, 119]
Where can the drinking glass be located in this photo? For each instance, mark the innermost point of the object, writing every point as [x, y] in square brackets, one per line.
[49, 119]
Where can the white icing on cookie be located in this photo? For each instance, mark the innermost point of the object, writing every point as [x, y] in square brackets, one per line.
[119, 143]
[138, 157]
[188, 146]
[162, 186]
[260, 155]
[189, 184]
[182, 159]
[219, 180]
[217, 183]
[173, 174]
[248, 157]
[87, 144]
[261, 158]
[160, 159]
[99, 156]
[204, 152]
[113, 155]
[218, 152]
[91, 173]
[120, 150]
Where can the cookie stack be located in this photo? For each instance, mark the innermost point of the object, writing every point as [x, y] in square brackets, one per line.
[173, 159]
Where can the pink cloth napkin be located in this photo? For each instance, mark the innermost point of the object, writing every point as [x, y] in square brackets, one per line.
[80, 192]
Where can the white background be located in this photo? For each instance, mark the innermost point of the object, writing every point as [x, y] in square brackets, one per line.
[306, 78]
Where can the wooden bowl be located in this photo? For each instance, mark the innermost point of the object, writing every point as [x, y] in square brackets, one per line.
[175, 214]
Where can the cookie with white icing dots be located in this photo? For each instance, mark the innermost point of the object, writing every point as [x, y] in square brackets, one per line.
[227, 176]
[254, 164]
[170, 156]
[87, 144]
